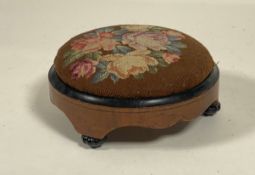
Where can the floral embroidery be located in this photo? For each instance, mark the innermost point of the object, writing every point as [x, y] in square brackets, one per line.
[136, 28]
[119, 52]
[146, 40]
[92, 43]
[170, 58]
[83, 68]
[132, 63]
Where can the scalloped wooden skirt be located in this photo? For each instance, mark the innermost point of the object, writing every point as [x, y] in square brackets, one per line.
[98, 120]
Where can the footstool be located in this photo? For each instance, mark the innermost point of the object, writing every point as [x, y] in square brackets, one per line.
[132, 75]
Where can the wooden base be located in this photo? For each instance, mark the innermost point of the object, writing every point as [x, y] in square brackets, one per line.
[97, 120]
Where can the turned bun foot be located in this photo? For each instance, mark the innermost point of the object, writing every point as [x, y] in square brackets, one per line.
[92, 142]
[212, 109]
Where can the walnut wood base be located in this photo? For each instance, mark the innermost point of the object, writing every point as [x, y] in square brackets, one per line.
[96, 121]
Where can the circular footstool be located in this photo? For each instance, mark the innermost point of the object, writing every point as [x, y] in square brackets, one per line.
[132, 75]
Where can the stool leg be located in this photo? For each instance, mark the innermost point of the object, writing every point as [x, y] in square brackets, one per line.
[212, 109]
[93, 142]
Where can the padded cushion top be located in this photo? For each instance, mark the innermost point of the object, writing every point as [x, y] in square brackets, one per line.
[133, 61]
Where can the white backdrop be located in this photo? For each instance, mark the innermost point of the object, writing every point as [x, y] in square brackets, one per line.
[36, 138]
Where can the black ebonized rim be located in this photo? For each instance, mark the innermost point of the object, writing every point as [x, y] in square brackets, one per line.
[59, 85]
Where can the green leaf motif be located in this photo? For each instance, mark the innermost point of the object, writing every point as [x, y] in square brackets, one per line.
[104, 29]
[68, 53]
[114, 78]
[162, 63]
[120, 32]
[153, 69]
[156, 29]
[72, 56]
[102, 65]
[93, 55]
[138, 76]
[179, 45]
[121, 50]
[100, 76]
[156, 54]
[173, 49]
[118, 38]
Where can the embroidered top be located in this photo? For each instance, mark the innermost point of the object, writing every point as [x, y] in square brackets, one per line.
[133, 61]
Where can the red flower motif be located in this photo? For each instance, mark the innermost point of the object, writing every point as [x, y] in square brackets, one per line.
[170, 58]
[83, 68]
[92, 43]
[105, 34]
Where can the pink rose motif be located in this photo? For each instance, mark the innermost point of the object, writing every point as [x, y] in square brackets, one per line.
[170, 58]
[83, 68]
[87, 44]
[146, 40]
[92, 43]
